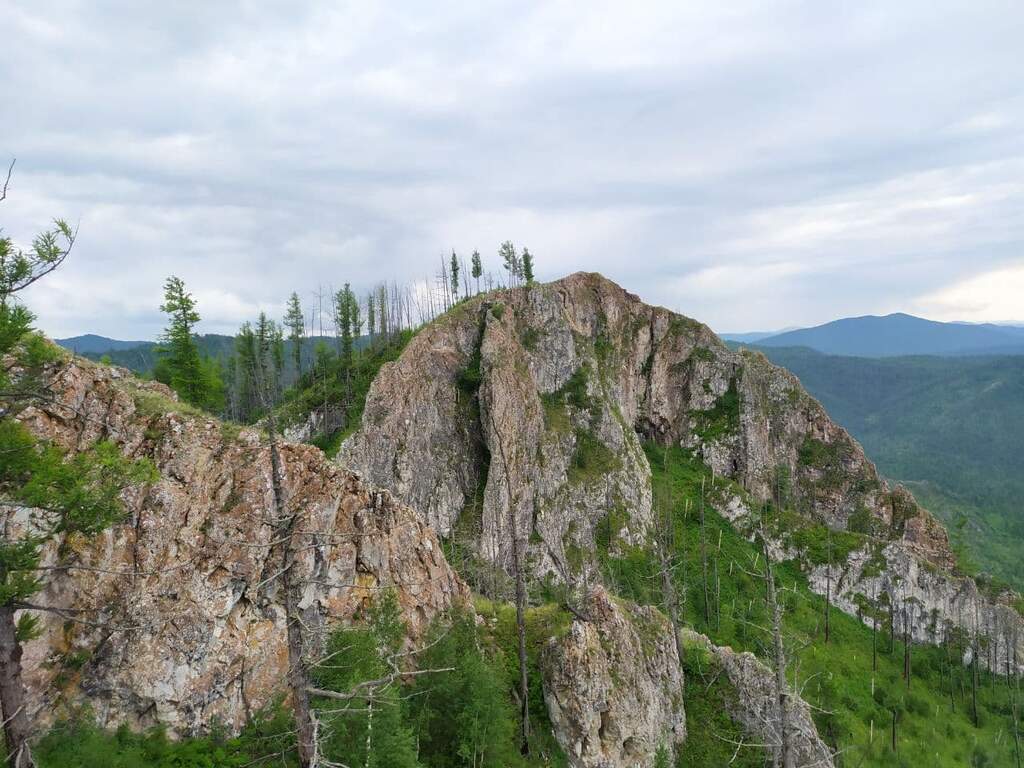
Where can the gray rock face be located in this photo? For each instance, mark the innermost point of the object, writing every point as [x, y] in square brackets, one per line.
[932, 605]
[550, 389]
[614, 687]
[191, 628]
[756, 705]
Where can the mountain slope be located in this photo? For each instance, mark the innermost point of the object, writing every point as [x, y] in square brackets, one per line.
[90, 343]
[950, 426]
[900, 334]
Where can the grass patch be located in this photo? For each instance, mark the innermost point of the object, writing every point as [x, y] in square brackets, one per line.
[722, 419]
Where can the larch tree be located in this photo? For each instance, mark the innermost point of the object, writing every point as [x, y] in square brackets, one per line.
[477, 267]
[296, 325]
[527, 266]
[52, 495]
[510, 262]
[453, 270]
[178, 348]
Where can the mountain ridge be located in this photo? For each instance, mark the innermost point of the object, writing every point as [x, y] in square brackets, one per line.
[897, 334]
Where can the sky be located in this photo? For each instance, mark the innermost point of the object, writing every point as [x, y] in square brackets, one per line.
[753, 165]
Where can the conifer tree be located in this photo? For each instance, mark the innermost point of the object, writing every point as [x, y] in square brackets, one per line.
[527, 266]
[477, 267]
[296, 325]
[178, 345]
[454, 270]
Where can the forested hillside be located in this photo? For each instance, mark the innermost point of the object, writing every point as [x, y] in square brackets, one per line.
[950, 427]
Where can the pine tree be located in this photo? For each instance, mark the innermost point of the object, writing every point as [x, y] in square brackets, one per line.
[61, 497]
[343, 322]
[527, 266]
[296, 325]
[454, 270]
[178, 345]
[478, 268]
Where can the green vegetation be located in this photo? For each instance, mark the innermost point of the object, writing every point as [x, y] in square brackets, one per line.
[459, 716]
[334, 386]
[935, 726]
[573, 393]
[949, 428]
[712, 735]
[195, 378]
[723, 419]
[78, 743]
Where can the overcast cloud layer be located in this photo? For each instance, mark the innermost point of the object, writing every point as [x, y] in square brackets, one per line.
[754, 167]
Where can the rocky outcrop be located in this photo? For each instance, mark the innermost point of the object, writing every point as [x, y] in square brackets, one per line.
[888, 583]
[755, 703]
[614, 687]
[561, 382]
[185, 621]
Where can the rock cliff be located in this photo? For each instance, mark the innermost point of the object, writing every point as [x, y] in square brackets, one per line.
[545, 393]
[614, 687]
[185, 624]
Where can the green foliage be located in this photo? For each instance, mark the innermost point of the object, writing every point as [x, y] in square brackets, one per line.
[352, 657]
[195, 378]
[723, 419]
[463, 717]
[712, 735]
[591, 459]
[527, 266]
[295, 322]
[79, 743]
[69, 496]
[837, 676]
[339, 386]
[573, 394]
[819, 545]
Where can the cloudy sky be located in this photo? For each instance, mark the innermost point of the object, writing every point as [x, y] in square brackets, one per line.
[754, 166]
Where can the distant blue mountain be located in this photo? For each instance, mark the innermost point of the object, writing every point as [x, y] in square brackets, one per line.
[140, 356]
[901, 334]
[90, 343]
[750, 337]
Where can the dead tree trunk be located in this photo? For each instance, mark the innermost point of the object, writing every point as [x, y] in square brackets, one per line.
[828, 588]
[17, 728]
[704, 559]
[779, 654]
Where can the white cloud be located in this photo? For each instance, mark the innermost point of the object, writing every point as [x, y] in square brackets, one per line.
[756, 166]
[993, 296]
